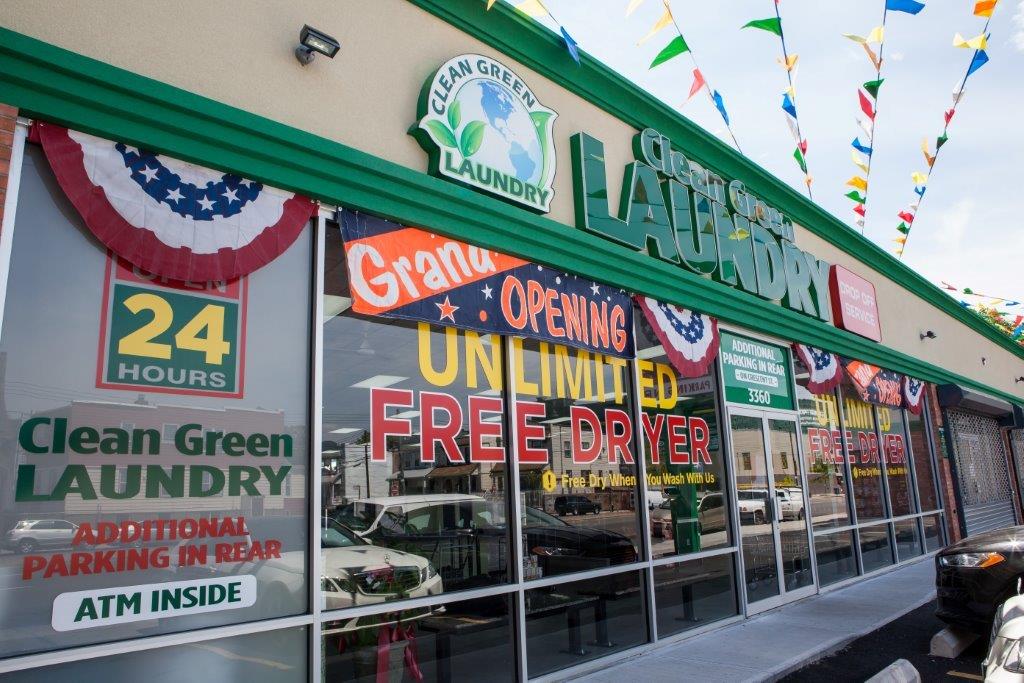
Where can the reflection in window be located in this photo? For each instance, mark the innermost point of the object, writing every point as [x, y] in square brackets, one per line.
[932, 532]
[908, 540]
[823, 445]
[682, 447]
[894, 451]
[836, 559]
[571, 623]
[876, 552]
[458, 641]
[921, 450]
[585, 522]
[865, 461]
[694, 593]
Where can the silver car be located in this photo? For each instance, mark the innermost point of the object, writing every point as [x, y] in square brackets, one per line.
[30, 535]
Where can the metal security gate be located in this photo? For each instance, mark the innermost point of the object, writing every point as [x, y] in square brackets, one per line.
[981, 469]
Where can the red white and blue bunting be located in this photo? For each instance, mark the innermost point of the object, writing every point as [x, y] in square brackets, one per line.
[168, 217]
[826, 372]
[690, 339]
[913, 390]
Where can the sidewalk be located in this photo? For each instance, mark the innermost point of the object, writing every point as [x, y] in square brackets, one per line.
[780, 641]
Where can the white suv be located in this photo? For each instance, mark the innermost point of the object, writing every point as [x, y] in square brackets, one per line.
[29, 535]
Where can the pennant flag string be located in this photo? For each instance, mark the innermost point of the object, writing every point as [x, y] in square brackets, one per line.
[536, 9]
[967, 291]
[788, 63]
[920, 179]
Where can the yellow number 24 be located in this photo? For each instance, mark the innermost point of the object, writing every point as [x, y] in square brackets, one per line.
[140, 342]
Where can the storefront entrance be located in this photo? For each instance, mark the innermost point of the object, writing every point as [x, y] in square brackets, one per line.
[771, 508]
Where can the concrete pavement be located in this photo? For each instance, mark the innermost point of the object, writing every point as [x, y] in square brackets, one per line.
[779, 641]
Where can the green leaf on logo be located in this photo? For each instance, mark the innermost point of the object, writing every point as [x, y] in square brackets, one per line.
[540, 122]
[441, 134]
[455, 114]
[472, 137]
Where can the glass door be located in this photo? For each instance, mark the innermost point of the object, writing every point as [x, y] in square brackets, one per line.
[771, 508]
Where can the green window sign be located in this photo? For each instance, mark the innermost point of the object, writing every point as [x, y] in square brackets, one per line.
[755, 373]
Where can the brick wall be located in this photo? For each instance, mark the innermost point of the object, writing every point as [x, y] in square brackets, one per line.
[945, 473]
[8, 117]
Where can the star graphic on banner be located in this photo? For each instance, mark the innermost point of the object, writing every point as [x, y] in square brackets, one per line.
[245, 182]
[174, 195]
[595, 289]
[150, 173]
[206, 204]
[230, 195]
[447, 309]
[487, 291]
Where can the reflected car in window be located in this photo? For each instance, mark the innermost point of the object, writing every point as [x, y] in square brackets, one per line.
[29, 535]
[711, 513]
[753, 505]
[576, 505]
[561, 547]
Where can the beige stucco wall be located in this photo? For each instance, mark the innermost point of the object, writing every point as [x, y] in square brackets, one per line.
[241, 54]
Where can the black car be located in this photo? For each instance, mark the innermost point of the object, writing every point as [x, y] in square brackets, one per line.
[576, 505]
[560, 547]
[976, 575]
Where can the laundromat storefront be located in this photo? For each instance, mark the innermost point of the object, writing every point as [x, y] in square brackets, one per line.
[308, 402]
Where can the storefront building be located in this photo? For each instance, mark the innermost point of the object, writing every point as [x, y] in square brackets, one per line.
[389, 301]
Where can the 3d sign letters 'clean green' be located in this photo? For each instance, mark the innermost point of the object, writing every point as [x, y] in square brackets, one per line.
[677, 211]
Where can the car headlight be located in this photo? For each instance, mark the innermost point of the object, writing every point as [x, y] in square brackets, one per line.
[978, 560]
[428, 572]
[1014, 660]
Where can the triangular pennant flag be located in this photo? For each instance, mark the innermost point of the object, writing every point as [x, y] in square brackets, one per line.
[570, 45]
[914, 205]
[860, 222]
[946, 285]
[532, 8]
[873, 86]
[865, 127]
[983, 8]
[855, 38]
[948, 116]
[802, 146]
[877, 35]
[919, 191]
[940, 141]
[865, 105]
[861, 148]
[906, 216]
[875, 61]
[720, 106]
[928, 157]
[979, 42]
[633, 4]
[808, 180]
[856, 196]
[698, 83]
[675, 47]
[967, 290]
[900, 240]
[902, 227]
[788, 106]
[908, 6]
[979, 60]
[859, 209]
[791, 122]
[490, 4]
[919, 178]
[858, 182]
[858, 161]
[772, 25]
[789, 62]
[958, 95]
[798, 155]
[665, 20]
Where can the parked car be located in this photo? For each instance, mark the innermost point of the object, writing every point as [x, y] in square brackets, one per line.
[753, 504]
[30, 535]
[561, 547]
[654, 498]
[791, 503]
[1005, 659]
[711, 513]
[976, 575]
[575, 505]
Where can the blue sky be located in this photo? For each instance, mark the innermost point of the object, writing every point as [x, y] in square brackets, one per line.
[969, 231]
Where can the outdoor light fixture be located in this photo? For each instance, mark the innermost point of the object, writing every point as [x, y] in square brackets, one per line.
[1018, 380]
[312, 41]
[928, 335]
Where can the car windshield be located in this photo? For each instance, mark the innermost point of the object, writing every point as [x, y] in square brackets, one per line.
[358, 515]
[23, 524]
[334, 535]
[753, 495]
[534, 517]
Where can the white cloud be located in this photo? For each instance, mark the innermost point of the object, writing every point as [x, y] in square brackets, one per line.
[1018, 23]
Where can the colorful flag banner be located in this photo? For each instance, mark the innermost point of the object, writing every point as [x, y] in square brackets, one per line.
[913, 391]
[908, 6]
[665, 20]
[675, 47]
[689, 339]
[861, 148]
[772, 25]
[858, 182]
[983, 8]
[698, 83]
[570, 45]
[532, 8]
[873, 86]
[720, 106]
[464, 286]
[979, 60]
[865, 105]
[873, 384]
[979, 42]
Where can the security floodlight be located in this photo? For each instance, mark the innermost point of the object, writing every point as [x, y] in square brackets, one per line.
[928, 335]
[312, 41]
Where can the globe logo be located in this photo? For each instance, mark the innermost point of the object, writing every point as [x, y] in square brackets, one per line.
[485, 128]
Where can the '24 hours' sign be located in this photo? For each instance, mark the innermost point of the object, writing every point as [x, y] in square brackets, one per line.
[171, 337]
[755, 373]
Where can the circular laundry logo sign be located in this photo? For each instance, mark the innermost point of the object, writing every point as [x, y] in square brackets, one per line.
[483, 127]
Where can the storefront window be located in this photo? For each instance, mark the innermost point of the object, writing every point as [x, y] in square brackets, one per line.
[920, 448]
[155, 439]
[836, 558]
[908, 539]
[894, 451]
[577, 457]
[455, 642]
[932, 532]
[571, 623]
[414, 500]
[823, 446]
[693, 593]
[683, 451]
[864, 455]
[875, 549]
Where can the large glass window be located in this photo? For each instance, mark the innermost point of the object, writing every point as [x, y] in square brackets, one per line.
[908, 539]
[897, 469]
[577, 454]
[154, 438]
[875, 548]
[823, 446]
[920, 448]
[863, 452]
[836, 557]
[683, 452]
[693, 593]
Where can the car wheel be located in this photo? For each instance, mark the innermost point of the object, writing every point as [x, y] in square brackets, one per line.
[800, 515]
[27, 545]
[758, 517]
[561, 513]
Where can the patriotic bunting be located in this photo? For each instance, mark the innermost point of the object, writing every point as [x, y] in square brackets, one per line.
[978, 59]
[825, 371]
[913, 390]
[690, 339]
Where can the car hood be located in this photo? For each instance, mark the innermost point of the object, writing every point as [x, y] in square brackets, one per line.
[1010, 539]
[357, 558]
[575, 536]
